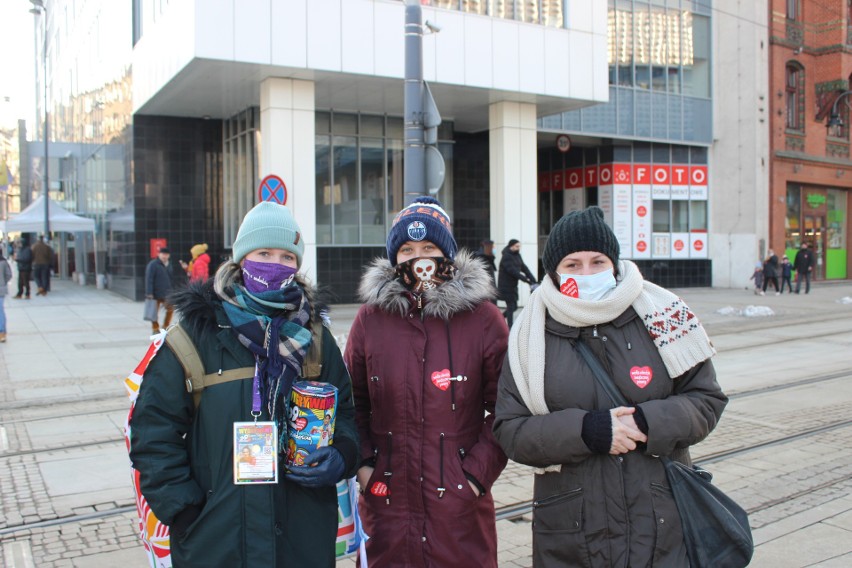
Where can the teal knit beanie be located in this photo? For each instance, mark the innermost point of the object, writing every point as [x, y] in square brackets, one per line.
[269, 225]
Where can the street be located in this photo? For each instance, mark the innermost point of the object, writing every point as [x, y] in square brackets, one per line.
[779, 450]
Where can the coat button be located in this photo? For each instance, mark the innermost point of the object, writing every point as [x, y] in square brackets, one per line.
[423, 538]
[662, 520]
[460, 486]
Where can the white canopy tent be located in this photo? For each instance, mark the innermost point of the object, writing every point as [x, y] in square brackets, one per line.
[31, 220]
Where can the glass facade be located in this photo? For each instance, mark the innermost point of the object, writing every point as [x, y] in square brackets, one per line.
[241, 141]
[659, 75]
[818, 216]
[544, 12]
[359, 176]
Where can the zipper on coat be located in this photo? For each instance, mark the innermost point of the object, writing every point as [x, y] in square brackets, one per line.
[389, 471]
[441, 489]
[453, 379]
[595, 330]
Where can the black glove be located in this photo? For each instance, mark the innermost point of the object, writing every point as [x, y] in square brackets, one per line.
[323, 467]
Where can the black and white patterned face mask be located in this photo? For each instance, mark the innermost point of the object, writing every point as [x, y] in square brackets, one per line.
[425, 272]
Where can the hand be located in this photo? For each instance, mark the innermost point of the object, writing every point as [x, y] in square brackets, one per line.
[625, 433]
[364, 474]
[324, 467]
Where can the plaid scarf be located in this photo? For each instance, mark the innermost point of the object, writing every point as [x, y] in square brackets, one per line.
[272, 326]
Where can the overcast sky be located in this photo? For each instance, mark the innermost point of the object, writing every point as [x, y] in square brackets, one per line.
[17, 83]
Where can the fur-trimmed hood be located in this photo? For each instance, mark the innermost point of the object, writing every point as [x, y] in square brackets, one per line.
[471, 286]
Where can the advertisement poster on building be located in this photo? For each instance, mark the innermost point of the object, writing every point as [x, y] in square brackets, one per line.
[698, 245]
[680, 245]
[698, 183]
[642, 221]
[622, 216]
[680, 181]
[662, 244]
[661, 187]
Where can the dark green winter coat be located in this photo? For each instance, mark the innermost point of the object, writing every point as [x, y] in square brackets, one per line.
[184, 455]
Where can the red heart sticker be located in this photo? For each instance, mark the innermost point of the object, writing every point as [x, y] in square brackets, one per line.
[300, 423]
[641, 376]
[441, 379]
[379, 489]
[569, 288]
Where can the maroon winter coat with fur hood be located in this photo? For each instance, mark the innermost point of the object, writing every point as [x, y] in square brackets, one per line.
[399, 358]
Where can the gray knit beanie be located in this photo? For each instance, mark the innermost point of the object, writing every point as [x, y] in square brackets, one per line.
[579, 231]
[269, 225]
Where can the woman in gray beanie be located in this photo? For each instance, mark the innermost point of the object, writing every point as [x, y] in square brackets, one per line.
[601, 496]
[255, 321]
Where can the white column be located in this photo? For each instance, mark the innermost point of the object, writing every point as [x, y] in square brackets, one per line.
[287, 150]
[513, 158]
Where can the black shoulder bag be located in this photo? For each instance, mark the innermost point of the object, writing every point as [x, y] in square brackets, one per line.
[715, 529]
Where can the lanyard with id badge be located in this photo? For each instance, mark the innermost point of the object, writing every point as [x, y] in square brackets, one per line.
[255, 445]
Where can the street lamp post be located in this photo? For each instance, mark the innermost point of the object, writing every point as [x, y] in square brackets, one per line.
[834, 118]
[40, 9]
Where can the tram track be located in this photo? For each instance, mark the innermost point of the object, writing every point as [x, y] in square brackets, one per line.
[515, 510]
[807, 381]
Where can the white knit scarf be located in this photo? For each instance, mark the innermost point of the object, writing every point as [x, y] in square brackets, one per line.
[678, 335]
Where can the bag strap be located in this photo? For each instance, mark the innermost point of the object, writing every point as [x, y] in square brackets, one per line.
[197, 380]
[603, 378]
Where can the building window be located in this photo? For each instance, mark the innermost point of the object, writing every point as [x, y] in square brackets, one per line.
[842, 130]
[792, 9]
[795, 88]
[359, 176]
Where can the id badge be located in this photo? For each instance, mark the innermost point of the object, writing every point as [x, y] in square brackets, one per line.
[255, 452]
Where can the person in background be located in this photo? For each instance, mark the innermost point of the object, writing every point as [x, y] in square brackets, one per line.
[804, 264]
[512, 269]
[485, 253]
[199, 266]
[757, 276]
[424, 353]
[770, 272]
[786, 270]
[5, 278]
[158, 285]
[42, 262]
[257, 313]
[24, 260]
[603, 498]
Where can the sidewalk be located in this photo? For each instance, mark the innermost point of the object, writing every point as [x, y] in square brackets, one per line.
[78, 343]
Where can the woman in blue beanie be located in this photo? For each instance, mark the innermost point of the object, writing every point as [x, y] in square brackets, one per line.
[425, 352]
[602, 497]
[255, 317]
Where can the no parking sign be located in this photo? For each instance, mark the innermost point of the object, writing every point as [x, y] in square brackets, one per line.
[272, 189]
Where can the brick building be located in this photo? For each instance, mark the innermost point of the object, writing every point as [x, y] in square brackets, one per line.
[810, 166]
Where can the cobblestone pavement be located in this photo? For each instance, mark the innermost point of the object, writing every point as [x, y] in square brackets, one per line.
[62, 409]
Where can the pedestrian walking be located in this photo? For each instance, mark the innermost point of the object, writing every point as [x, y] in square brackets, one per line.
[42, 263]
[257, 314]
[804, 264]
[24, 260]
[512, 269]
[199, 266]
[786, 271]
[425, 352]
[158, 286]
[5, 278]
[770, 273]
[603, 498]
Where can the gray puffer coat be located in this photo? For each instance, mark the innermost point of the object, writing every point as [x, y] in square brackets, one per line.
[604, 510]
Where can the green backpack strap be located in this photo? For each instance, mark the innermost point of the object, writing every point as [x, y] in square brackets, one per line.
[196, 379]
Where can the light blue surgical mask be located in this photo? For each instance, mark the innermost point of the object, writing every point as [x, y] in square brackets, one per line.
[591, 287]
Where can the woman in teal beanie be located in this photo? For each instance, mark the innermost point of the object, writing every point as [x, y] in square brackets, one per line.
[256, 315]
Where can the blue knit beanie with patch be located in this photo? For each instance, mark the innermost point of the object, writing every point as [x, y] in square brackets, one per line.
[269, 225]
[423, 220]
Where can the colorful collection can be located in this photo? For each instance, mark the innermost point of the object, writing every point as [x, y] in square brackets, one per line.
[311, 412]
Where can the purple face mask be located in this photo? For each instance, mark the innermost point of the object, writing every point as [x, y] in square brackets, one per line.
[265, 276]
